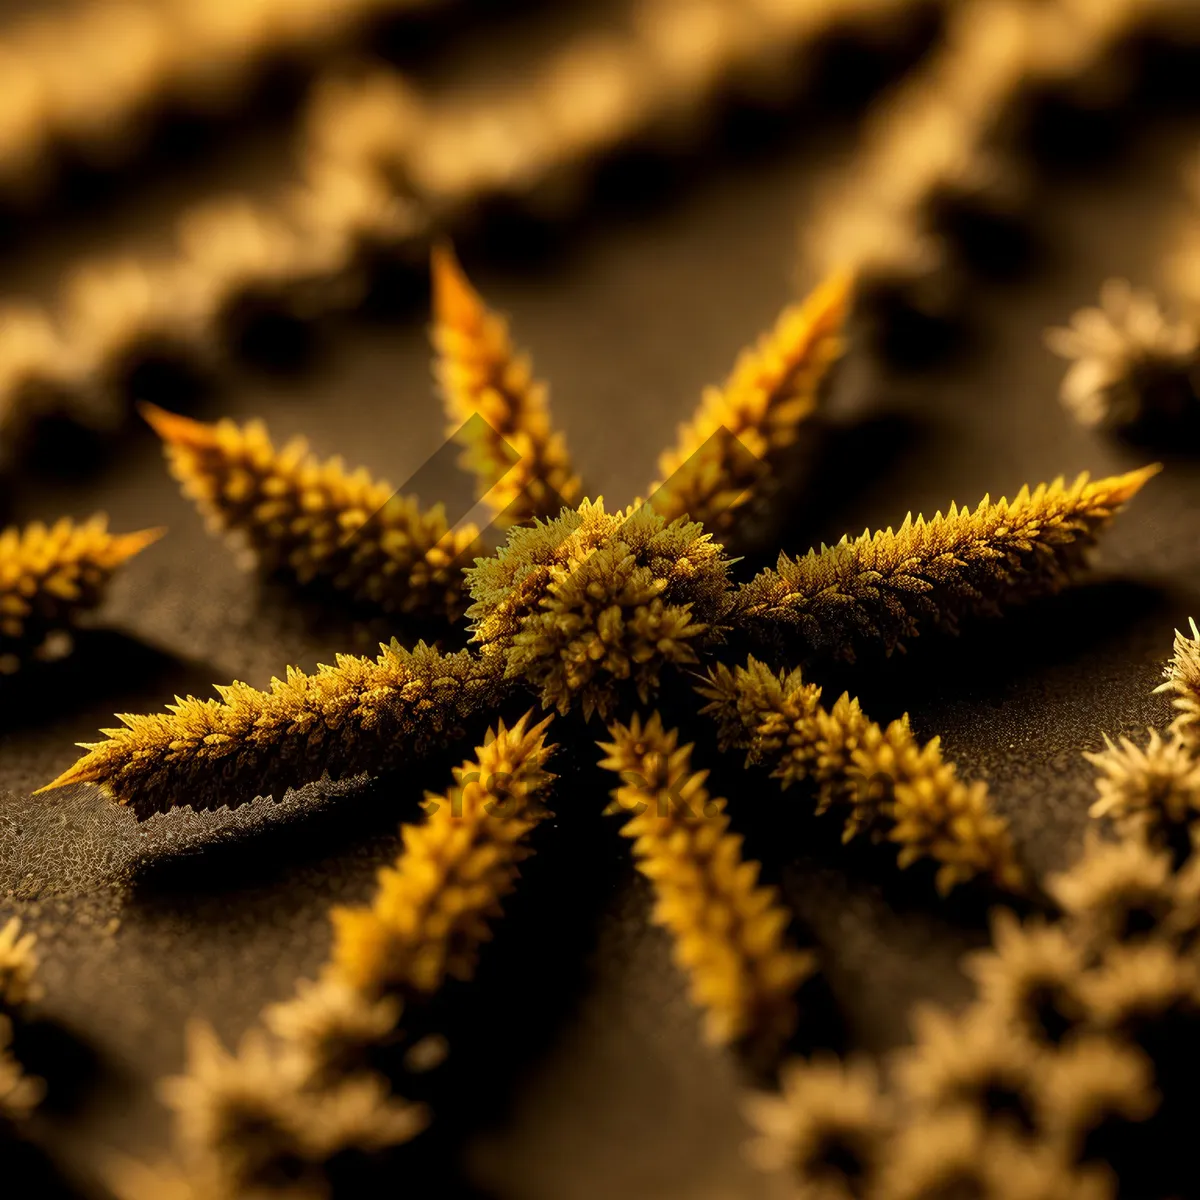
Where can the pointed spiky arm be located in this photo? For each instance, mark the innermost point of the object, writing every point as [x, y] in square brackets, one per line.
[435, 905]
[310, 521]
[882, 780]
[726, 453]
[360, 715]
[522, 465]
[50, 576]
[879, 589]
[729, 931]
[1183, 679]
[576, 605]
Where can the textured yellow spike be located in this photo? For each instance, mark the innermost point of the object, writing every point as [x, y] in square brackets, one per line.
[309, 521]
[50, 577]
[880, 780]
[435, 903]
[729, 932]
[884, 588]
[725, 456]
[521, 464]
[369, 716]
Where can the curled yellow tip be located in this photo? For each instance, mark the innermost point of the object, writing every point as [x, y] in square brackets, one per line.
[126, 545]
[81, 772]
[455, 301]
[175, 429]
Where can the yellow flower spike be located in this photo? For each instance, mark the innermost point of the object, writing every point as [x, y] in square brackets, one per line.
[309, 520]
[729, 931]
[878, 590]
[51, 576]
[434, 906]
[358, 715]
[1182, 676]
[725, 454]
[881, 779]
[522, 466]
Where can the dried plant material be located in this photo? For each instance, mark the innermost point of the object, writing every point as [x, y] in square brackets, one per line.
[1150, 792]
[955, 1153]
[975, 1062]
[1030, 979]
[334, 1029]
[18, 967]
[359, 715]
[434, 907]
[521, 464]
[725, 454]
[93, 80]
[1090, 1084]
[51, 575]
[1183, 679]
[311, 521]
[35, 373]
[880, 780]
[877, 590]
[576, 605]
[728, 930]
[828, 1126]
[1122, 891]
[1129, 362]
[129, 321]
[1137, 987]
[20, 1094]
[246, 1121]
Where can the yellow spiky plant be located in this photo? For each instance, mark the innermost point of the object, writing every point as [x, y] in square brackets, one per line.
[311, 521]
[729, 931]
[521, 464]
[51, 575]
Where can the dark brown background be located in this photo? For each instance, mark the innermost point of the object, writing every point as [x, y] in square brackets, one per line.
[578, 1069]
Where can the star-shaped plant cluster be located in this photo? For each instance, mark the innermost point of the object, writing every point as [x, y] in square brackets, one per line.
[587, 613]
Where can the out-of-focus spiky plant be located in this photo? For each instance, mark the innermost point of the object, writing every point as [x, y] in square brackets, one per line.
[1130, 364]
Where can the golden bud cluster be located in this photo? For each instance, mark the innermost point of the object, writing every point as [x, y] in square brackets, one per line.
[882, 780]
[522, 465]
[1182, 675]
[359, 715]
[312, 521]
[19, 1093]
[576, 605]
[879, 589]
[741, 429]
[728, 930]
[433, 908]
[51, 575]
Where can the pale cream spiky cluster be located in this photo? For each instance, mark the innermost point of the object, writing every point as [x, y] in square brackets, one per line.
[51, 575]
[878, 590]
[729, 931]
[1129, 362]
[576, 605]
[358, 715]
[1183, 679]
[252, 1123]
[1152, 791]
[880, 780]
[828, 1124]
[434, 906]
[521, 464]
[724, 454]
[311, 521]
